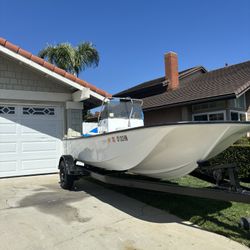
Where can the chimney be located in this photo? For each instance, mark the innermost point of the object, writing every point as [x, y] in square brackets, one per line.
[171, 70]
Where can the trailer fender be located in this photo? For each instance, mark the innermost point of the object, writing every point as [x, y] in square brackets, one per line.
[69, 163]
[70, 166]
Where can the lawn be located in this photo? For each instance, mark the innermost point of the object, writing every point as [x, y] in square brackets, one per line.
[216, 216]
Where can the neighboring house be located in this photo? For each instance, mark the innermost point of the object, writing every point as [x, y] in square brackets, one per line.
[39, 105]
[195, 94]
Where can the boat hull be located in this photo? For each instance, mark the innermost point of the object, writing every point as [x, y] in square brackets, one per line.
[165, 151]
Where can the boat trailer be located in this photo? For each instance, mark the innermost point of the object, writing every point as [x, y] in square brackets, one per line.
[71, 170]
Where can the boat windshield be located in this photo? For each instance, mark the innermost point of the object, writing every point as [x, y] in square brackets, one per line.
[119, 108]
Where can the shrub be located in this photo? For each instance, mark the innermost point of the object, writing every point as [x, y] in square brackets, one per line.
[243, 141]
[239, 154]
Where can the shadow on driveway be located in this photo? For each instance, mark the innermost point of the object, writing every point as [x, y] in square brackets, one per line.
[53, 200]
[138, 209]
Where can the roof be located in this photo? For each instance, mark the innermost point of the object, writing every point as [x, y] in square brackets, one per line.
[51, 67]
[158, 81]
[228, 82]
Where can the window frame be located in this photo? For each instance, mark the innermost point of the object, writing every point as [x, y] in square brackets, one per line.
[11, 110]
[239, 112]
[38, 111]
[208, 113]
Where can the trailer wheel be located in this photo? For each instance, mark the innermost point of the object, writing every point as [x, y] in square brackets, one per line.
[66, 180]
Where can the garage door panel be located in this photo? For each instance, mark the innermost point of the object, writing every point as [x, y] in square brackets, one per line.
[39, 138]
[28, 147]
[30, 140]
[9, 156]
[38, 164]
[8, 119]
[8, 129]
[40, 128]
[8, 147]
[7, 166]
[8, 139]
[36, 155]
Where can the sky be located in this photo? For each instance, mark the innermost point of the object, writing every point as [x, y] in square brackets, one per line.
[133, 35]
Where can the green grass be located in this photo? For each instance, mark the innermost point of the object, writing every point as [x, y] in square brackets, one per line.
[216, 216]
[244, 184]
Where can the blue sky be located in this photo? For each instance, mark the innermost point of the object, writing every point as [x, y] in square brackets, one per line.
[132, 36]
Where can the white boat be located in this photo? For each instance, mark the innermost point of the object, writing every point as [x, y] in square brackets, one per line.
[164, 151]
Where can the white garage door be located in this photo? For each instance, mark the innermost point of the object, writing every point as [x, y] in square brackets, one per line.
[30, 139]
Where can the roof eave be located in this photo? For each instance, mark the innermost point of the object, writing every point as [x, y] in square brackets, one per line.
[48, 69]
[215, 98]
[241, 90]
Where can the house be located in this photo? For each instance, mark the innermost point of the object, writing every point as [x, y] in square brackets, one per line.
[195, 94]
[39, 105]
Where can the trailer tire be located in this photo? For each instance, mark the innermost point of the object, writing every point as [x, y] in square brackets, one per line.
[66, 180]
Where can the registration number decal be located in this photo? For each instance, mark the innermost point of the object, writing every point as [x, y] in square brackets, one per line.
[119, 138]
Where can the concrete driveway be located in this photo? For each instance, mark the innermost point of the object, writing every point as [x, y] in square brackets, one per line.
[35, 213]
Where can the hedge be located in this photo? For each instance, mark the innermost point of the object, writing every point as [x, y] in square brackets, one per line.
[239, 154]
[243, 141]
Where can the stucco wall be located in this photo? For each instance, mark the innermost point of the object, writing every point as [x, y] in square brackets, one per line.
[15, 76]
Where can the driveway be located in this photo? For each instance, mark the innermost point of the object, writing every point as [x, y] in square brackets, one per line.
[35, 213]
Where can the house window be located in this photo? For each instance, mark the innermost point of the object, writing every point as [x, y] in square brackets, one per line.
[216, 117]
[200, 118]
[7, 110]
[38, 111]
[210, 116]
[238, 116]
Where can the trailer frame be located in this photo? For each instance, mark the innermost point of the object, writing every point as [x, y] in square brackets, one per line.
[73, 171]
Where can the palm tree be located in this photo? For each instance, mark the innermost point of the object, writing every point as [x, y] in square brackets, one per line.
[72, 59]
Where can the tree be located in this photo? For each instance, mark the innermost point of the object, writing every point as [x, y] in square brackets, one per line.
[72, 59]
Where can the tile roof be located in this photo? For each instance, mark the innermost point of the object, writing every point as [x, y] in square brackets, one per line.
[158, 81]
[227, 82]
[231, 81]
[51, 67]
